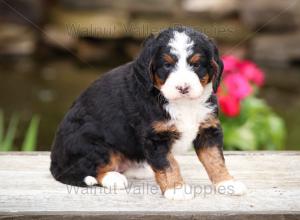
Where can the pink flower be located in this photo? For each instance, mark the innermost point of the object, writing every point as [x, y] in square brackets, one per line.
[231, 64]
[230, 106]
[252, 72]
[237, 86]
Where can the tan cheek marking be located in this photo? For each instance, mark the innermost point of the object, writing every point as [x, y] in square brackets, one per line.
[204, 80]
[115, 162]
[214, 164]
[170, 177]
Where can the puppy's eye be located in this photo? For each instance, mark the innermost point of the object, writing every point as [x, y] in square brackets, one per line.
[195, 65]
[168, 66]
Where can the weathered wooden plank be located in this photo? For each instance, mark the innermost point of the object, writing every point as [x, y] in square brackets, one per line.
[273, 178]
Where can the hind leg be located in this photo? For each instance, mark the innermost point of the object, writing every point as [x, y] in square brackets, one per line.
[113, 179]
[108, 175]
[110, 179]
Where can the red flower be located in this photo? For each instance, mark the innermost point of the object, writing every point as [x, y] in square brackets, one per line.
[230, 106]
[231, 64]
[237, 86]
[252, 72]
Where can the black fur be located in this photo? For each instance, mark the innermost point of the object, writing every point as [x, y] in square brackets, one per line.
[115, 114]
[210, 137]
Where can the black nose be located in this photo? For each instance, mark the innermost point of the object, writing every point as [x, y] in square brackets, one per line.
[183, 89]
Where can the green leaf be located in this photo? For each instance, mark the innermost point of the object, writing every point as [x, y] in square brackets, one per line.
[1, 127]
[277, 132]
[253, 106]
[29, 143]
[241, 138]
[11, 132]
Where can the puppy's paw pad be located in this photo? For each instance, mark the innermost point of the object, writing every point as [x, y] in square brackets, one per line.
[114, 180]
[231, 187]
[90, 181]
[183, 192]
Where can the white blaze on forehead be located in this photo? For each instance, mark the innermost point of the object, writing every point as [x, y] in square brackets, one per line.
[183, 74]
[181, 45]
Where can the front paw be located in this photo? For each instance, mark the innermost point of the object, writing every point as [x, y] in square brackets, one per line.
[231, 187]
[182, 192]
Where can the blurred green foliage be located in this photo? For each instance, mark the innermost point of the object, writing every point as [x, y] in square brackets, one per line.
[8, 136]
[256, 128]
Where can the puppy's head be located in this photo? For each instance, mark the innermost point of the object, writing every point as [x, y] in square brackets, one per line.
[183, 63]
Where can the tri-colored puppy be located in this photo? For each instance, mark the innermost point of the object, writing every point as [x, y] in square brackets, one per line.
[143, 112]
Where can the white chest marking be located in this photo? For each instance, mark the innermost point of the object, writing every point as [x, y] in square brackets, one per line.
[187, 114]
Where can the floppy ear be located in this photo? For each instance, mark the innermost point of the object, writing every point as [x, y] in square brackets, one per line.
[217, 66]
[148, 40]
[143, 64]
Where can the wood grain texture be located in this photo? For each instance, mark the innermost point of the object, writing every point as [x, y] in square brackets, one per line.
[27, 190]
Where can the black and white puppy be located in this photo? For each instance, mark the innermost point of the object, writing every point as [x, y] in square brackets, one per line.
[143, 112]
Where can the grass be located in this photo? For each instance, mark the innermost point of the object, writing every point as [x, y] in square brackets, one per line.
[7, 137]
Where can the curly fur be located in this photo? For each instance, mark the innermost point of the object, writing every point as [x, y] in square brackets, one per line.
[116, 113]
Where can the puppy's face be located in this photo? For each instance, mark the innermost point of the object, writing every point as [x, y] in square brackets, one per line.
[181, 67]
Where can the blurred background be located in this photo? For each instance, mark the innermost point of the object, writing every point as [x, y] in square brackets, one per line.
[51, 50]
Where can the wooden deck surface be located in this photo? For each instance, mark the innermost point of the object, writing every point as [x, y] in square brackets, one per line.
[28, 190]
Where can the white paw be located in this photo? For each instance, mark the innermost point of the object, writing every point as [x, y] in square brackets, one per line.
[90, 181]
[231, 187]
[114, 180]
[183, 192]
[139, 171]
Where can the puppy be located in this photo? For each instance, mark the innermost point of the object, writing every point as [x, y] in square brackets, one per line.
[144, 112]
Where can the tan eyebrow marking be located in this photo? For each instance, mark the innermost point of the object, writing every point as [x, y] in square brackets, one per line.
[169, 59]
[195, 58]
